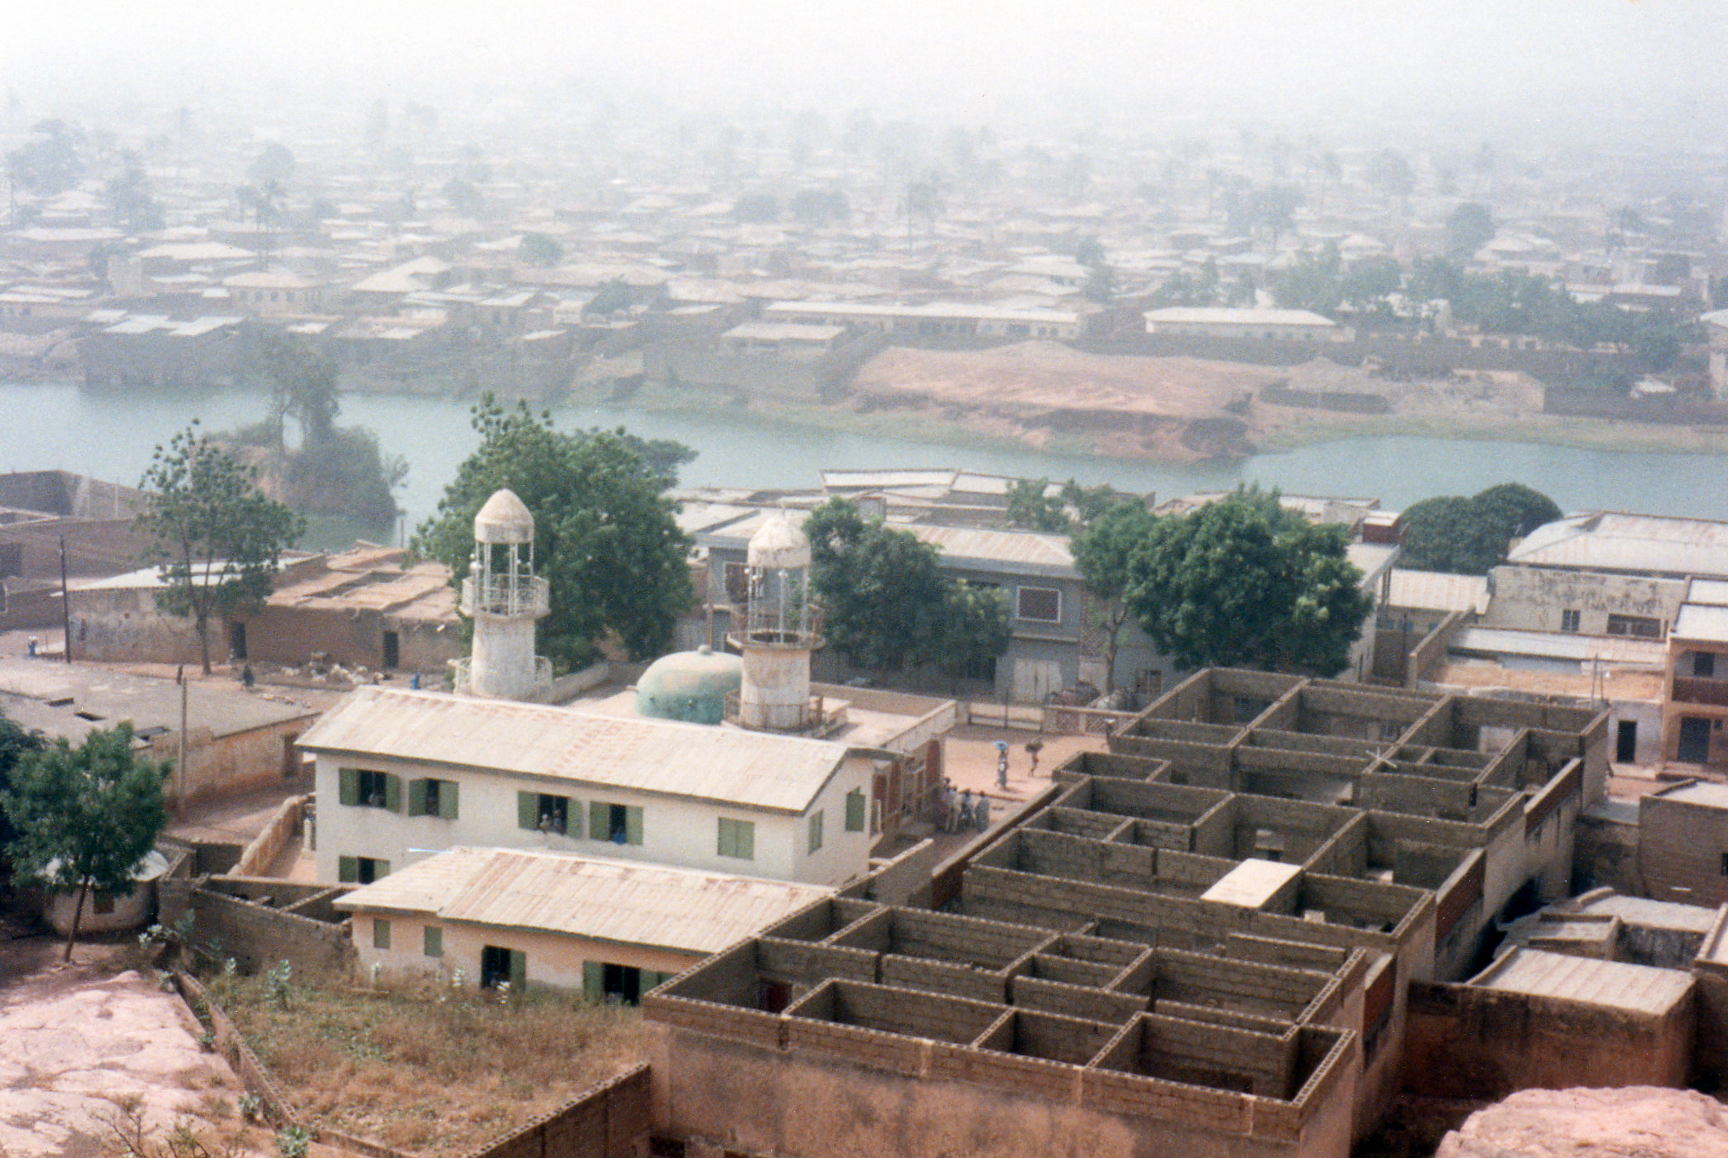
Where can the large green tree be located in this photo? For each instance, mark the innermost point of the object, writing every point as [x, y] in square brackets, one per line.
[881, 590]
[974, 628]
[1104, 551]
[1467, 536]
[50, 161]
[216, 539]
[605, 535]
[1242, 582]
[84, 817]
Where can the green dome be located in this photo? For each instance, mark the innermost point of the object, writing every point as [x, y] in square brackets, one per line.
[689, 686]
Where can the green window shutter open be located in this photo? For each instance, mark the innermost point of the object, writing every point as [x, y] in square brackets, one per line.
[432, 943]
[633, 825]
[349, 792]
[416, 798]
[518, 970]
[447, 800]
[815, 831]
[593, 980]
[393, 793]
[527, 810]
[855, 810]
[347, 867]
[747, 839]
[598, 815]
[573, 827]
[380, 933]
[380, 869]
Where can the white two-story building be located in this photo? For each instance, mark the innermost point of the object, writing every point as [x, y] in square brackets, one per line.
[402, 775]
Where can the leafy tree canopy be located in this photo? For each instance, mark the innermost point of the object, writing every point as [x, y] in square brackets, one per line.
[1467, 536]
[610, 298]
[756, 209]
[1033, 506]
[881, 590]
[84, 817]
[540, 249]
[1104, 550]
[50, 161]
[605, 536]
[1469, 228]
[217, 540]
[1242, 582]
[975, 628]
[274, 165]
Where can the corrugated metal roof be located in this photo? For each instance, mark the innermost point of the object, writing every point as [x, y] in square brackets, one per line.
[608, 900]
[1638, 988]
[1641, 544]
[1698, 621]
[744, 769]
[1559, 645]
[1438, 591]
[1023, 552]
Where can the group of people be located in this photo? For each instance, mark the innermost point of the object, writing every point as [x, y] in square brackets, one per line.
[963, 811]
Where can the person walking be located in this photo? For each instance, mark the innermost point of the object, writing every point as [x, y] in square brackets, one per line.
[1033, 747]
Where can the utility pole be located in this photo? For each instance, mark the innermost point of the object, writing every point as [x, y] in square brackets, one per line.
[65, 604]
[180, 757]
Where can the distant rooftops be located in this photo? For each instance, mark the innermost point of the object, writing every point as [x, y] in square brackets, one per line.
[1638, 544]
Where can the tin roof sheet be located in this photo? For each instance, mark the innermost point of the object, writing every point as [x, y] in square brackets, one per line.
[744, 769]
[1637, 988]
[1642, 544]
[1702, 622]
[1437, 591]
[608, 900]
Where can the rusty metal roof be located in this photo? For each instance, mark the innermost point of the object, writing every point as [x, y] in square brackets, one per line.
[607, 900]
[727, 765]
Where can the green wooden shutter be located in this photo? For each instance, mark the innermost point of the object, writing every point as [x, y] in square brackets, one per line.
[593, 980]
[633, 825]
[380, 933]
[747, 839]
[380, 869]
[347, 867]
[855, 810]
[518, 971]
[432, 943]
[416, 798]
[598, 816]
[350, 790]
[447, 800]
[393, 793]
[725, 842]
[573, 822]
[528, 810]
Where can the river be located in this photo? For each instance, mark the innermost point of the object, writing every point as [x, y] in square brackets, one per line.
[110, 435]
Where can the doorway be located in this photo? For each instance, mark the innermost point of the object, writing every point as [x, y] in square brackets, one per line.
[392, 651]
[1694, 745]
[1626, 742]
[237, 642]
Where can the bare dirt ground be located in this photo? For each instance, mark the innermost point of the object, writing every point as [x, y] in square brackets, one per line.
[77, 1039]
[1048, 395]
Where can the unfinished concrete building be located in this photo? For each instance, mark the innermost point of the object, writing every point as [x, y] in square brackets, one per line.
[1201, 946]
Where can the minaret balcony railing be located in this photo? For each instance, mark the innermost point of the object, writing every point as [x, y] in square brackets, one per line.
[463, 670]
[772, 623]
[506, 596]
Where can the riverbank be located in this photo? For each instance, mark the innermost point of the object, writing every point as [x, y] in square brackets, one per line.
[109, 434]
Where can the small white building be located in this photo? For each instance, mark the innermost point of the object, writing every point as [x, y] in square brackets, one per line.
[607, 928]
[402, 775]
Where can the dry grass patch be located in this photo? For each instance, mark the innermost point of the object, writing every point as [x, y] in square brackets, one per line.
[437, 1071]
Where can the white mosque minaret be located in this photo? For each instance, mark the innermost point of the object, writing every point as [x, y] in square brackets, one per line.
[504, 598]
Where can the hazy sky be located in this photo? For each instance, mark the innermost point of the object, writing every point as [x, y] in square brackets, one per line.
[962, 53]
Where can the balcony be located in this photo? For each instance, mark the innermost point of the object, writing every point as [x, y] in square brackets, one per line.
[814, 719]
[1699, 690]
[770, 623]
[502, 595]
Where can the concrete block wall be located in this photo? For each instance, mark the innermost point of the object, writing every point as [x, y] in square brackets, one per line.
[259, 936]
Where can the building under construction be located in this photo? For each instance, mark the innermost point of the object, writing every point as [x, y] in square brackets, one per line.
[1202, 946]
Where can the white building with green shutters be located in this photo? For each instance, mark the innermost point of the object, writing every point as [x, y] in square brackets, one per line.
[403, 775]
[610, 928]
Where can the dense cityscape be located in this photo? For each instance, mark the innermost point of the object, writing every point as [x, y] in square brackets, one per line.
[793, 585]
